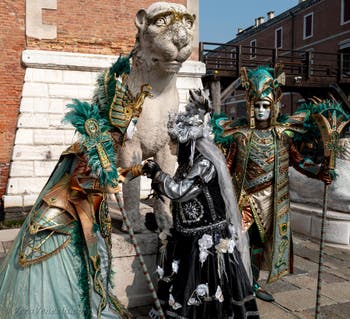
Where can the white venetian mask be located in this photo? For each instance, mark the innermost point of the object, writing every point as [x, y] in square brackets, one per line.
[262, 110]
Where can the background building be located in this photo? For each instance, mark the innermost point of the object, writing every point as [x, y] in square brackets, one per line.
[311, 40]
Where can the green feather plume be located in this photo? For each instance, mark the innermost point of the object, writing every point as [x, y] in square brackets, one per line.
[218, 130]
[80, 113]
[313, 132]
[106, 84]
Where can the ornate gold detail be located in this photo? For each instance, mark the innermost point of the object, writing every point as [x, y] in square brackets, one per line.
[124, 106]
[175, 16]
[92, 128]
[24, 261]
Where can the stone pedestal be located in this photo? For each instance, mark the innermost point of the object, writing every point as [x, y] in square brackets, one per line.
[306, 219]
[129, 281]
[306, 195]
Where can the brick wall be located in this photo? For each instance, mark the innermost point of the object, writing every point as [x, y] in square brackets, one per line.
[327, 29]
[12, 42]
[90, 26]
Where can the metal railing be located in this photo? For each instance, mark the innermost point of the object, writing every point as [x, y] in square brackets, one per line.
[227, 59]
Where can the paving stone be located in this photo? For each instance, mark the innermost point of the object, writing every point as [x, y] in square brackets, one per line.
[271, 310]
[332, 262]
[341, 309]
[315, 245]
[343, 272]
[345, 256]
[302, 281]
[278, 286]
[305, 264]
[298, 271]
[334, 251]
[339, 291]
[306, 314]
[307, 253]
[327, 276]
[337, 311]
[300, 299]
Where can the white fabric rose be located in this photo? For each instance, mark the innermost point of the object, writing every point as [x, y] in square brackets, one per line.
[175, 305]
[203, 256]
[193, 302]
[202, 290]
[231, 246]
[160, 272]
[218, 295]
[175, 266]
[204, 243]
[225, 245]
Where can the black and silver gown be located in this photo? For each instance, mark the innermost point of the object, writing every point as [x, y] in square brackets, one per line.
[201, 274]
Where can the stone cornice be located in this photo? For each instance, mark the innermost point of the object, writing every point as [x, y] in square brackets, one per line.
[56, 60]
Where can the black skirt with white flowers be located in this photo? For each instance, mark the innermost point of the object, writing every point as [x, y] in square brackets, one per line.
[202, 276]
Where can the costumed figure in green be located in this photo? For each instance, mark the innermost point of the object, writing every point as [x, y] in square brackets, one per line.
[259, 151]
[60, 264]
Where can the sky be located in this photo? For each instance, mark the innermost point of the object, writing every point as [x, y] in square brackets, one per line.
[219, 20]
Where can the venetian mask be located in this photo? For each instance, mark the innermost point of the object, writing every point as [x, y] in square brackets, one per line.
[262, 110]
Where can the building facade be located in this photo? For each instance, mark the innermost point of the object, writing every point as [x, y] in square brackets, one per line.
[313, 30]
[52, 52]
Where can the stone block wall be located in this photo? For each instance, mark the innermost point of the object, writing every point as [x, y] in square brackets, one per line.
[307, 201]
[52, 80]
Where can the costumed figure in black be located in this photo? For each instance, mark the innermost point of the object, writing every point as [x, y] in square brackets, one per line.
[259, 152]
[202, 269]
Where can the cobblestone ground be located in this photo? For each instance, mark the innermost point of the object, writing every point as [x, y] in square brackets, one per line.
[295, 294]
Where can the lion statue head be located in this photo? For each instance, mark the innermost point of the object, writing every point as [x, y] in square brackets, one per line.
[164, 38]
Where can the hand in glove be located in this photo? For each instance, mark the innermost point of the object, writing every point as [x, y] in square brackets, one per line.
[325, 176]
[150, 169]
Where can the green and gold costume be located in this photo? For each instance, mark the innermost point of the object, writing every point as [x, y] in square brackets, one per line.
[60, 264]
[258, 156]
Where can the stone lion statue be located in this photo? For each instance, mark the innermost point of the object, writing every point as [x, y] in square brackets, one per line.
[163, 43]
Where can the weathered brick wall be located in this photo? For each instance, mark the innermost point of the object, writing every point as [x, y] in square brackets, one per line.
[89, 26]
[12, 42]
[327, 29]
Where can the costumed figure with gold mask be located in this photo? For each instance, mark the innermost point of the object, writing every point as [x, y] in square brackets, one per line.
[60, 264]
[259, 151]
[204, 267]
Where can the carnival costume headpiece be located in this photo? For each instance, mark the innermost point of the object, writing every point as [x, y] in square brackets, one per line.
[188, 126]
[263, 83]
[113, 109]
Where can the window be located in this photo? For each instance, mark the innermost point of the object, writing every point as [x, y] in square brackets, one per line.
[346, 61]
[279, 38]
[253, 49]
[344, 47]
[308, 25]
[345, 11]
